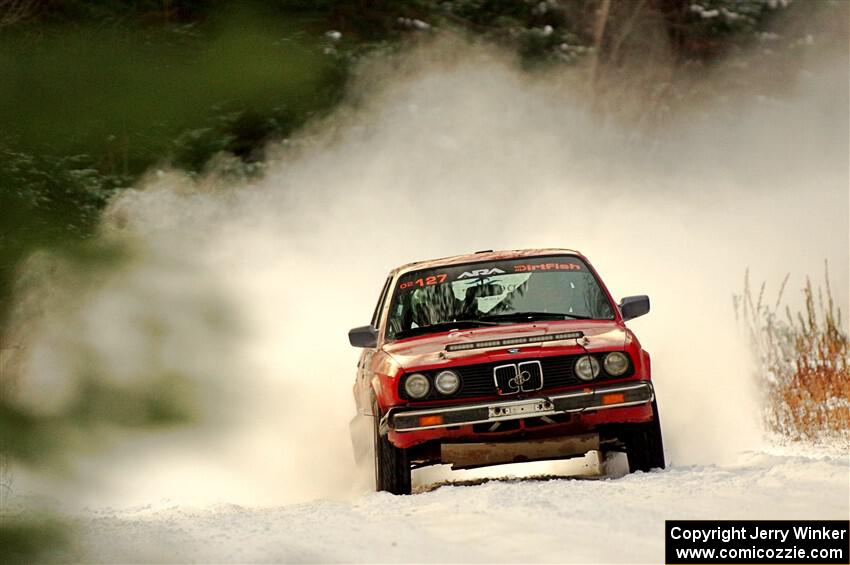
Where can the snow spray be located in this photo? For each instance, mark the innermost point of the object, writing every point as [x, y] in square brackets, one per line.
[252, 284]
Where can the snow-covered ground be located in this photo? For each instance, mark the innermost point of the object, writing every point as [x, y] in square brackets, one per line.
[530, 520]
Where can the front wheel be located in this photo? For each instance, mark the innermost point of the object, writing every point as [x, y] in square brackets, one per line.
[392, 465]
[644, 446]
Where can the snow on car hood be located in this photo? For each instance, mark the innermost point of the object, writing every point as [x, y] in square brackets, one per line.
[431, 348]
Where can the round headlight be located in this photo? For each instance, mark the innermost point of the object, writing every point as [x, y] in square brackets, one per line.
[447, 382]
[587, 368]
[616, 363]
[417, 386]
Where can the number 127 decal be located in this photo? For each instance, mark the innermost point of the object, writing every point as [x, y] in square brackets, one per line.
[424, 281]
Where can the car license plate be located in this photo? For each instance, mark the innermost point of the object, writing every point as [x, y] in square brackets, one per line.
[520, 409]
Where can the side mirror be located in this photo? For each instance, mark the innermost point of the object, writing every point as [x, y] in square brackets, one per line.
[364, 336]
[633, 306]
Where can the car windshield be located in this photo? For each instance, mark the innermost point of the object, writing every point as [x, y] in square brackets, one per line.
[508, 291]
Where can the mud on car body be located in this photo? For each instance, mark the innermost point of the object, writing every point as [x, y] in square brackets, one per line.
[499, 357]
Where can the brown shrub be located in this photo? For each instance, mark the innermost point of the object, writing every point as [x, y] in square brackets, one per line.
[803, 359]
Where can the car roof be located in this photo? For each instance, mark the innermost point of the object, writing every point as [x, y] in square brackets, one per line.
[482, 256]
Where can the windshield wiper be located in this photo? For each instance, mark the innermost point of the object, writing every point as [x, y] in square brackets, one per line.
[535, 316]
[444, 326]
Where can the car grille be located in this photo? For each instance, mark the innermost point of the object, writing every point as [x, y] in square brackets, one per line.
[477, 380]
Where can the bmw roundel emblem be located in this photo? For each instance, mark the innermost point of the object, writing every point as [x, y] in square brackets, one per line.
[513, 350]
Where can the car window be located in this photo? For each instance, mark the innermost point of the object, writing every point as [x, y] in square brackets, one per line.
[376, 315]
[554, 285]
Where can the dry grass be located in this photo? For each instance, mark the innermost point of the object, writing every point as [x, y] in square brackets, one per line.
[804, 360]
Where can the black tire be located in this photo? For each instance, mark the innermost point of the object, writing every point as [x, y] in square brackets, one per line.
[644, 446]
[392, 465]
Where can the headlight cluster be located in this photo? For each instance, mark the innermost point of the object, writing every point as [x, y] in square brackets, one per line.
[418, 385]
[447, 382]
[616, 363]
[587, 368]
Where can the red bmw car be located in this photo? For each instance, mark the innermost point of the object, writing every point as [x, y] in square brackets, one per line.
[501, 357]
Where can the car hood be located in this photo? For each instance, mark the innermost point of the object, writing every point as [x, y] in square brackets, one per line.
[430, 349]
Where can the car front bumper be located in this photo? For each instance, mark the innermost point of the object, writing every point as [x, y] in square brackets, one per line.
[601, 398]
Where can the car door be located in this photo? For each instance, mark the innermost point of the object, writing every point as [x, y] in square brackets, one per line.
[362, 387]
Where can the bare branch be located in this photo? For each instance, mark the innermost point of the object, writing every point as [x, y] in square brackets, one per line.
[15, 11]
